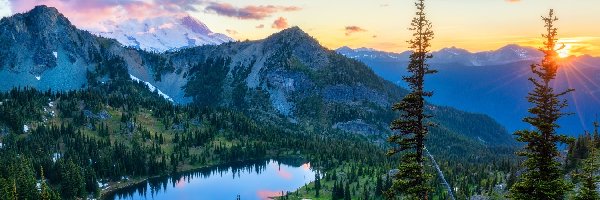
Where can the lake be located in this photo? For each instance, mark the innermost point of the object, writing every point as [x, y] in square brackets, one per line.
[250, 180]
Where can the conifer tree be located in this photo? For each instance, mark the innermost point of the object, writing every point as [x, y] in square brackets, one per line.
[317, 184]
[412, 181]
[596, 135]
[542, 179]
[589, 179]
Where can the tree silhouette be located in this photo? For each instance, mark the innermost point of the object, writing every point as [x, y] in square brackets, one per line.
[542, 178]
[412, 180]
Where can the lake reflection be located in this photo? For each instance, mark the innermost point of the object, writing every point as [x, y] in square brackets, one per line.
[254, 180]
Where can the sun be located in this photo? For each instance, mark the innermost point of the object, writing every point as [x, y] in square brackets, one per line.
[565, 51]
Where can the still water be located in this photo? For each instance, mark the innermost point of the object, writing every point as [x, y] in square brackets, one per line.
[251, 181]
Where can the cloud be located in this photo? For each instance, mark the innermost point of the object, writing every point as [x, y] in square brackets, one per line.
[90, 14]
[248, 12]
[260, 26]
[512, 1]
[353, 29]
[231, 32]
[280, 23]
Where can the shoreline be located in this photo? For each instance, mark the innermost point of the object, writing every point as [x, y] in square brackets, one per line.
[113, 188]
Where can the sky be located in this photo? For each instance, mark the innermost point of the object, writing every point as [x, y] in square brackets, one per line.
[475, 25]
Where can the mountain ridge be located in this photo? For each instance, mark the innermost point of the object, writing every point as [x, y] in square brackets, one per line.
[499, 89]
[286, 78]
[504, 55]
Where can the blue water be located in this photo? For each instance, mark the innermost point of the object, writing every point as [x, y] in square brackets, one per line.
[256, 180]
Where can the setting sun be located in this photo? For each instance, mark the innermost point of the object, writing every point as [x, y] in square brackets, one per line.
[564, 51]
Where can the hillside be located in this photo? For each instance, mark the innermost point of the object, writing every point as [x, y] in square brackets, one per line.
[94, 103]
[498, 89]
[287, 76]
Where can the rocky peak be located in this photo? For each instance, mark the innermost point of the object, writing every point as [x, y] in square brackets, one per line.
[45, 17]
[301, 45]
[195, 25]
[292, 36]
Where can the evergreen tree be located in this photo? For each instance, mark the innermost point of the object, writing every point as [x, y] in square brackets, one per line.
[317, 184]
[73, 181]
[378, 187]
[46, 193]
[542, 179]
[26, 182]
[596, 135]
[588, 189]
[412, 180]
[347, 195]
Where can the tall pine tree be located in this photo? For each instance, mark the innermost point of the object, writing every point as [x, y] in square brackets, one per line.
[542, 179]
[412, 181]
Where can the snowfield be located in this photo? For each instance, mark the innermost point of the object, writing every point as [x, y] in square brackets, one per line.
[152, 88]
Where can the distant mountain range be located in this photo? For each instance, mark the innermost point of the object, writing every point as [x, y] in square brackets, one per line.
[286, 78]
[495, 82]
[164, 33]
[504, 55]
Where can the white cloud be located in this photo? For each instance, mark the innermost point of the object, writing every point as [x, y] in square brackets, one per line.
[5, 8]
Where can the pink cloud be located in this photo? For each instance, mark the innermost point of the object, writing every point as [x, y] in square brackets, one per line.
[306, 166]
[353, 29]
[267, 194]
[91, 13]
[231, 32]
[248, 12]
[180, 183]
[280, 23]
[282, 172]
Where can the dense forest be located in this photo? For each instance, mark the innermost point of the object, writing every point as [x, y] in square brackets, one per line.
[74, 144]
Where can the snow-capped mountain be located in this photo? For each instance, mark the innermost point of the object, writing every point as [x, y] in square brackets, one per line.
[508, 54]
[163, 33]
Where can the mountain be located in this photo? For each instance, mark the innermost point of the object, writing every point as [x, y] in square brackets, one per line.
[95, 111]
[505, 55]
[499, 87]
[287, 78]
[42, 49]
[163, 33]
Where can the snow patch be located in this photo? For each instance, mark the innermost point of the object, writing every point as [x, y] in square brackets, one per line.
[56, 156]
[38, 77]
[25, 128]
[55, 54]
[152, 88]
